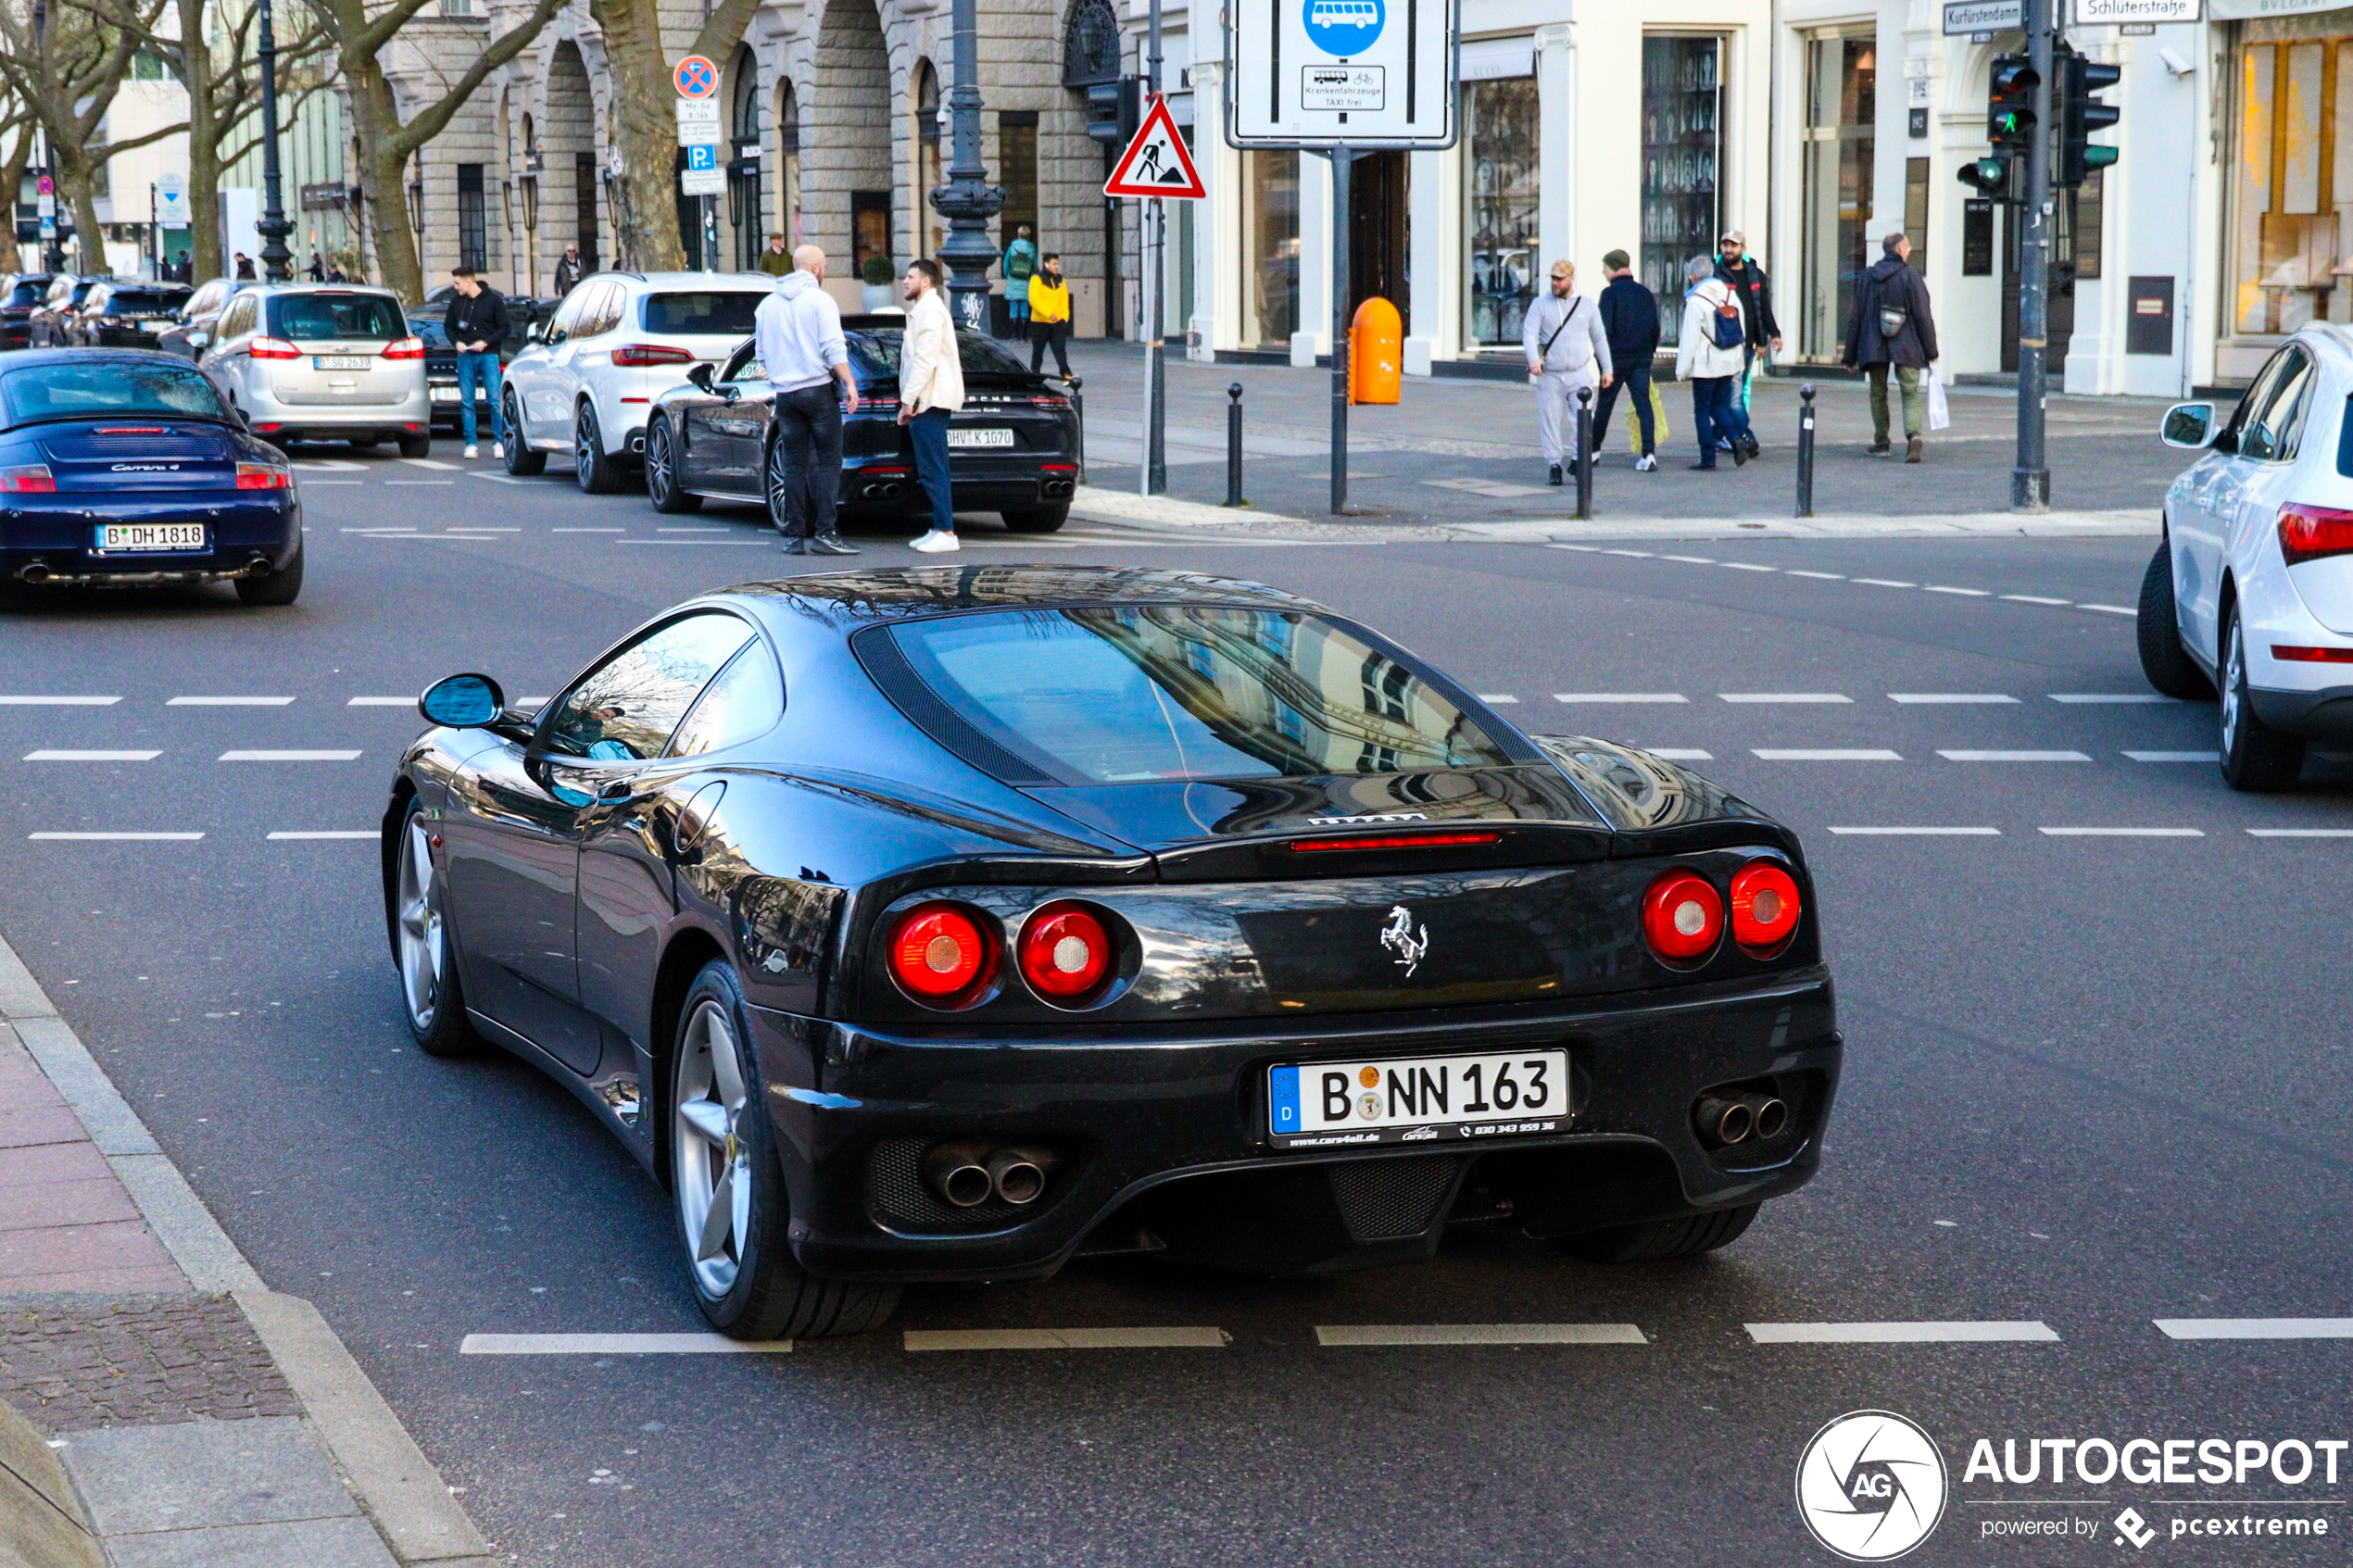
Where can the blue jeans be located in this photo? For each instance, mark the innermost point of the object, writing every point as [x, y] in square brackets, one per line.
[479, 370]
[1715, 411]
[929, 430]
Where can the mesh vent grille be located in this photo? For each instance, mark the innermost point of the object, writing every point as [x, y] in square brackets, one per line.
[899, 1198]
[1384, 1198]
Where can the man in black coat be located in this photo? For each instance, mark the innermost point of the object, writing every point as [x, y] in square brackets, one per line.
[1630, 318]
[477, 325]
[1891, 326]
[1755, 291]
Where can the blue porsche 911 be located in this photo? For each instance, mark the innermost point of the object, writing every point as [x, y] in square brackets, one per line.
[124, 468]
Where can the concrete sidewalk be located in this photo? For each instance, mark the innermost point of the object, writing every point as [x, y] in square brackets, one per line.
[196, 1418]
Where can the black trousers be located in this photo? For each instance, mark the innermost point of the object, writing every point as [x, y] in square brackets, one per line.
[1636, 385]
[807, 452]
[1049, 335]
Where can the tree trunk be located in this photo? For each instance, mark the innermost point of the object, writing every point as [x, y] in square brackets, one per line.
[12, 176]
[204, 145]
[384, 167]
[645, 130]
[77, 181]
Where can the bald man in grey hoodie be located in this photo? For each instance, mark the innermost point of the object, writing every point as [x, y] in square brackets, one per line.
[797, 332]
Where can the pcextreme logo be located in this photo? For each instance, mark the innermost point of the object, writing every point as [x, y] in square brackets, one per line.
[1871, 1485]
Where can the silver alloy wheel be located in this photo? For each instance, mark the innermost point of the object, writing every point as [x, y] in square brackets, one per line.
[2234, 661]
[779, 487]
[658, 476]
[584, 442]
[514, 418]
[423, 950]
[713, 1164]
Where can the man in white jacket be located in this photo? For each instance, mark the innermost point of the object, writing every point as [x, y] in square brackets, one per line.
[1713, 369]
[931, 387]
[796, 333]
[1568, 347]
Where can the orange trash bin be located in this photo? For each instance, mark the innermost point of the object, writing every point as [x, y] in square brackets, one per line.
[1376, 353]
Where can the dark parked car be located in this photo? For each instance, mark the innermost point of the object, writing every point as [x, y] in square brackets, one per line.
[53, 319]
[22, 294]
[194, 333]
[119, 467]
[1013, 448]
[441, 374]
[524, 312]
[127, 315]
[945, 924]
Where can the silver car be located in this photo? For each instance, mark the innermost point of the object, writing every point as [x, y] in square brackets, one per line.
[323, 362]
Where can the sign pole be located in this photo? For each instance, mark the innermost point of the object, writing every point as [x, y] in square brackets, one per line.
[1156, 235]
[1342, 211]
[2031, 480]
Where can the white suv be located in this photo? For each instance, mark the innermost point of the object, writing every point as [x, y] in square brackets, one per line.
[2251, 593]
[619, 341]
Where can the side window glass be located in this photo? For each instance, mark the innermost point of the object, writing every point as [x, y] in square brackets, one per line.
[2259, 393]
[744, 703]
[604, 312]
[625, 709]
[567, 316]
[2293, 409]
[2267, 420]
[744, 366]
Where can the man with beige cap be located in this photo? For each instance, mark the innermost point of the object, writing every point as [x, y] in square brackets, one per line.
[1567, 349]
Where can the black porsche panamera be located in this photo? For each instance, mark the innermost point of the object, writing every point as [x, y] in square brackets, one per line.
[940, 924]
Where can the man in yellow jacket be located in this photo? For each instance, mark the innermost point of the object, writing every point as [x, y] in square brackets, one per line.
[1049, 314]
[931, 387]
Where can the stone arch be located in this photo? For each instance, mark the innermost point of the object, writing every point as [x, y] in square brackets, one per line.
[787, 181]
[746, 130]
[846, 135]
[569, 187]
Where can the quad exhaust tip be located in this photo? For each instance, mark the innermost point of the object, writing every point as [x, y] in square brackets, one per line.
[968, 1173]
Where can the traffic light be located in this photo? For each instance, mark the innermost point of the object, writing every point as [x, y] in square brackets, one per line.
[2079, 114]
[2009, 103]
[2002, 178]
[1114, 110]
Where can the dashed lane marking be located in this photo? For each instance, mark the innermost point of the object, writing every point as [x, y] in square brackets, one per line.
[1067, 1339]
[1692, 561]
[2122, 833]
[1479, 1334]
[588, 531]
[739, 543]
[381, 702]
[2111, 609]
[113, 837]
[2175, 756]
[417, 482]
[2300, 832]
[1619, 697]
[1963, 592]
[1816, 576]
[1745, 566]
[2036, 600]
[325, 833]
[2135, 699]
[1792, 697]
[433, 463]
[1953, 699]
[290, 756]
[2255, 1329]
[36, 701]
[1824, 754]
[1916, 832]
[618, 1345]
[229, 702]
[1882, 583]
[2014, 756]
[1981, 1332]
[55, 756]
[1497, 696]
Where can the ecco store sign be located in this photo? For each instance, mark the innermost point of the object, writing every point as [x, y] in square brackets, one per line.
[1873, 1484]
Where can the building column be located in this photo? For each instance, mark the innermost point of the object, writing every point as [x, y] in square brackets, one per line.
[1434, 186]
[1557, 121]
[1314, 334]
[1216, 217]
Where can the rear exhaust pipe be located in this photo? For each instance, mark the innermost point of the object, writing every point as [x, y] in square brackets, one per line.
[1770, 1117]
[37, 572]
[1017, 1179]
[956, 1173]
[1726, 1121]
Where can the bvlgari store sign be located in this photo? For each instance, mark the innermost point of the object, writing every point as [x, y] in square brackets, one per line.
[2246, 10]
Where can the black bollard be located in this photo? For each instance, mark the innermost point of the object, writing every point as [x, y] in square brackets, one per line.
[1585, 451]
[1806, 450]
[1233, 446]
[1078, 407]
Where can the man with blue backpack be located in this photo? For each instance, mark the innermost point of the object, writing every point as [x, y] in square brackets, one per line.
[1711, 351]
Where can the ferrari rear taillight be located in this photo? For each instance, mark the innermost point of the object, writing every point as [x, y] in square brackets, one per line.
[939, 954]
[1765, 907]
[272, 349]
[642, 354]
[264, 476]
[2312, 532]
[28, 479]
[405, 348]
[1683, 917]
[1066, 952]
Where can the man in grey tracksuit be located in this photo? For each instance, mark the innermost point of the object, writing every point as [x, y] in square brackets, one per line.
[1568, 347]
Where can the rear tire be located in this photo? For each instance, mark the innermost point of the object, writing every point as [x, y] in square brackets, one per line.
[1037, 519]
[417, 445]
[2164, 660]
[1655, 1241]
[597, 471]
[522, 461]
[281, 587]
[723, 1152]
[661, 472]
[2255, 757]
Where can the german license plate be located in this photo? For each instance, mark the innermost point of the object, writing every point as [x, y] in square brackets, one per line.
[999, 436]
[1426, 1100]
[338, 362]
[444, 394]
[151, 536]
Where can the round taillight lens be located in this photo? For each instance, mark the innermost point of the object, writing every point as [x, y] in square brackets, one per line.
[1065, 951]
[938, 952]
[1682, 916]
[1764, 907]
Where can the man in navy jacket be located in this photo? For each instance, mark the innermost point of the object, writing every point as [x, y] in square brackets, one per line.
[1629, 316]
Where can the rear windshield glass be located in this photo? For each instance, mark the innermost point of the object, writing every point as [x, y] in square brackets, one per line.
[432, 328]
[1133, 693]
[146, 302]
[101, 387]
[30, 292]
[711, 312]
[874, 352]
[318, 317]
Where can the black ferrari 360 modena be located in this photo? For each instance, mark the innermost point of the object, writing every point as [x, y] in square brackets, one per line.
[947, 924]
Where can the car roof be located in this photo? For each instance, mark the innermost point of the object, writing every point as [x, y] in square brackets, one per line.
[27, 358]
[761, 280]
[851, 599]
[307, 286]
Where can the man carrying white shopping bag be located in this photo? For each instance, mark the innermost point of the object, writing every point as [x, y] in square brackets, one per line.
[1890, 329]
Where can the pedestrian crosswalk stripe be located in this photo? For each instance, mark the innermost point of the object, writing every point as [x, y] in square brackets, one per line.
[2255, 1329]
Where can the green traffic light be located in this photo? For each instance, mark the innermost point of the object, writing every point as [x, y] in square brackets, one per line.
[2095, 156]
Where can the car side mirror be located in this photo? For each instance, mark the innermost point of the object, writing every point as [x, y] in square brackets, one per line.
[532, 333]
[699, 374]
[198, 340]
[2188, 425]
[463, 702]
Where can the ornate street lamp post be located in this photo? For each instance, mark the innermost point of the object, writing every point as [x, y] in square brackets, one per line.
[967, 201]
[276, 259]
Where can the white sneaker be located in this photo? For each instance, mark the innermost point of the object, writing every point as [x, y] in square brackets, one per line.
[936, 543]
[498, 449]
[1645, 463]
[473, 451]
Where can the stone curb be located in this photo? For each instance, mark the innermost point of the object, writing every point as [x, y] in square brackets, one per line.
[388, 1475]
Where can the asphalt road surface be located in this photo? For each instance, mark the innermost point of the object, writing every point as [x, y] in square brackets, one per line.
[2096, 1044]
